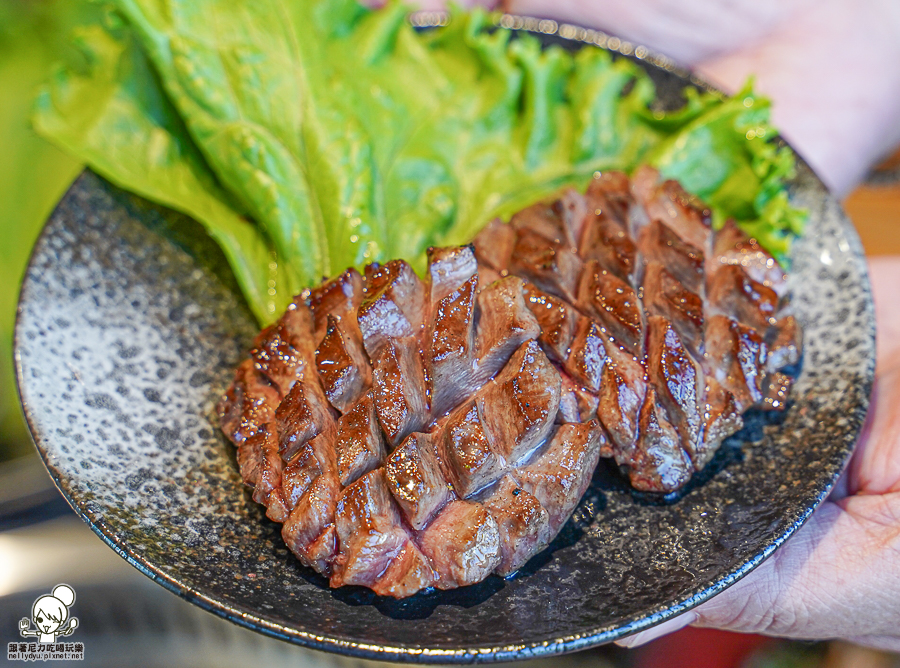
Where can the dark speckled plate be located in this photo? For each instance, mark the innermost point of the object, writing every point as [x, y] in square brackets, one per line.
[130, 325]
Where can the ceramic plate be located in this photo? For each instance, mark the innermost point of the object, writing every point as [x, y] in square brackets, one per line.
[129, 329]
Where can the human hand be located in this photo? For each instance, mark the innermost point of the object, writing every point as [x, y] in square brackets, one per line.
[839, 576]
[832, 69]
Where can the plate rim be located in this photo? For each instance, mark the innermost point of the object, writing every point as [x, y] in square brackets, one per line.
[475, 653]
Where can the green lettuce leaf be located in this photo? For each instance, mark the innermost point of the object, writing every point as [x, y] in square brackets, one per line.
[114, 116]
[726, 156]
[33, 173]
[348, 137]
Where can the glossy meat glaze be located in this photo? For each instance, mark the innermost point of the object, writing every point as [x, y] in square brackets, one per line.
[412, 433]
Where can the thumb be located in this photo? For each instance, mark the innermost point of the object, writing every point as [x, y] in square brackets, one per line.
[836, 578]
[743, 606]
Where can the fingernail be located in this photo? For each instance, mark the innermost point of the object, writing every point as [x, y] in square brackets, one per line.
[667, 627]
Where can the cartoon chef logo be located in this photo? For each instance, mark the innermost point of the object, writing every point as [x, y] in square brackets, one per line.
[50, 615]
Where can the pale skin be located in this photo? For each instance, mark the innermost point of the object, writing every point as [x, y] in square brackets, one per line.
[839, 577]
[832, 69]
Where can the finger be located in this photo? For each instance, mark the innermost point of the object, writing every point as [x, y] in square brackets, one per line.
[841, 488]
[884, 272]
[875, 467]
[837, 577]
[796, 65]
[658, 631]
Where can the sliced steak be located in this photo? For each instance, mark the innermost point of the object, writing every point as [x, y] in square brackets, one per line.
[413, 475]
[588, 357]
[504, 324]
[359, 445]
[559, 222]
[666, 296]
[414, 433]
[607, 242]
[493, 246]
[660, 244]
[612, 194]
[733, 247]
[553, 267]
[678, 380]
[338, 298]
[658, 462]
[309, 531]
[452, 347]
[393, 304]
[523, 524]
[683, 213]
[722, 417]
[560, 475]
[467, 452]
[449, 269]
[302, 414]
[267, 486]
[622, 391]
[462, 544]
[784, 341]
[556, 319]
[370, 532]
[249, 403]
[614, 304]
[342, 363]
[275, 358]
[399, 388]
[737, 354]
[734, 294]
[519, 406]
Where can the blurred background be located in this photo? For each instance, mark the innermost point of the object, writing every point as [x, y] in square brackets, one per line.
[125, 618]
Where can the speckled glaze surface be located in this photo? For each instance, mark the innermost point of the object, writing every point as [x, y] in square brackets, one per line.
[130, 326]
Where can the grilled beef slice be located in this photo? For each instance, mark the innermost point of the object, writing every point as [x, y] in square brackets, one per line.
[413, 433]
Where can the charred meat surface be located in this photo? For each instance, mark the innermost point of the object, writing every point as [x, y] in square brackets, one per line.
[412, 433]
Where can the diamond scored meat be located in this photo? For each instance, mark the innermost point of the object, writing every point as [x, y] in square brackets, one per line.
[415, 433]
